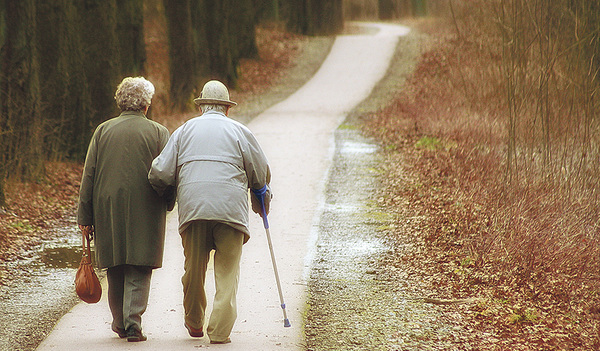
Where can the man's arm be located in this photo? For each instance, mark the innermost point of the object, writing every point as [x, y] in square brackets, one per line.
[258, 173]
[163, 172]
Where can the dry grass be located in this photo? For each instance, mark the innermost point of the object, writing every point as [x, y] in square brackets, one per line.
[507, 182]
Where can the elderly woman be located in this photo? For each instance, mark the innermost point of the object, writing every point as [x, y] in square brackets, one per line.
[118, 204]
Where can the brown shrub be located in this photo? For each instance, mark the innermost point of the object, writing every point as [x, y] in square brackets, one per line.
[511, 181]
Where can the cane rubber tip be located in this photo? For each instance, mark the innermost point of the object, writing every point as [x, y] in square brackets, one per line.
[286, 323]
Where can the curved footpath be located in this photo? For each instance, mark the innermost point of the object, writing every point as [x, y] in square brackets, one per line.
[297, 137]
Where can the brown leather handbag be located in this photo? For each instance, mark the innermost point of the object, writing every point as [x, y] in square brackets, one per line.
[87, 284]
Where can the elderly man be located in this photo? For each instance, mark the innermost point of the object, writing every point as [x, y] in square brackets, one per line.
[127, 215]
[212, 161]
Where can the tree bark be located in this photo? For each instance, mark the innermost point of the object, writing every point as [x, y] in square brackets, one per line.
[65, 94]
[386, 9]
[20, 99]
[222, 52]
[199, 23]
[207, 40]
[266, 10]
[314, 17]
[102, 57]
[130, 34]
[182, 52]
[244, 28]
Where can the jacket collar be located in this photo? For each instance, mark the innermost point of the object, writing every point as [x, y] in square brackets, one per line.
[213, 114]
[132, 113]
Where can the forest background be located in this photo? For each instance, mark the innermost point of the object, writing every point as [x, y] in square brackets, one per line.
[61, 61]
[492, 146]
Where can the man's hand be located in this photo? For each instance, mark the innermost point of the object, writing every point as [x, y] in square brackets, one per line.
[266, 197]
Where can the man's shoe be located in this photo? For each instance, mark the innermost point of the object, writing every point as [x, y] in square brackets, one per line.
[122, 332]
[135, 335]
[194, 333]
[226, 341]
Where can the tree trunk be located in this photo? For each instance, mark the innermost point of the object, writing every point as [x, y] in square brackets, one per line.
[244, 27]
[266, 10]
[296, 15]
[21, 121]
[315, 17]
[327, 16]
[65, 95]
[223, 53]
[130, 34]
[199, 23]
[386, 9]
[182, 53]
[102, 58]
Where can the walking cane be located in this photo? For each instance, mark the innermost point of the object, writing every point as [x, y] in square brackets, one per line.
[260, 195]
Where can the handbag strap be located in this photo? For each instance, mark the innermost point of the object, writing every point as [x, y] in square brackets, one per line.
[86, 248]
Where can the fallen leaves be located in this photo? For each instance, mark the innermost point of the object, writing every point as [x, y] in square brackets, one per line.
[33, 209]
[445, 232]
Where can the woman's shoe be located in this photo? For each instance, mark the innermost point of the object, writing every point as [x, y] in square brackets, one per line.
[135, 335]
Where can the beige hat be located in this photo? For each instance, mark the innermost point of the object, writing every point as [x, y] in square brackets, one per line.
[214, 92]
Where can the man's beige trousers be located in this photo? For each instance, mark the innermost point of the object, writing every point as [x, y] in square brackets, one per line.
[198, 239]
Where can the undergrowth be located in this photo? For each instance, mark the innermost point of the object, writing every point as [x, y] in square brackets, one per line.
[506, 179]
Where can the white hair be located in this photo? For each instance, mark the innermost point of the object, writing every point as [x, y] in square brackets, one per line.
[134, 94]
[213, 107]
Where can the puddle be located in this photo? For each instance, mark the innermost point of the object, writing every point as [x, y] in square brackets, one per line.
[347, 208]
[62, 253]
[355, 147]
[364, 247]
[61, 257]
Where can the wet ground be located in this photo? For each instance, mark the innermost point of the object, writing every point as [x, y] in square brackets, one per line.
[360, 298]
[42, 292]
[356, 300]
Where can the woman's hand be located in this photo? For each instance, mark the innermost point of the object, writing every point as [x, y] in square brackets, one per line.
[88, 230]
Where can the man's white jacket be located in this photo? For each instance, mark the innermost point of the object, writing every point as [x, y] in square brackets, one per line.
[210, 162]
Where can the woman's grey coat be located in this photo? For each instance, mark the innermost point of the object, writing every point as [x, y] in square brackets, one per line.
[115, 196]
[212, 160]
